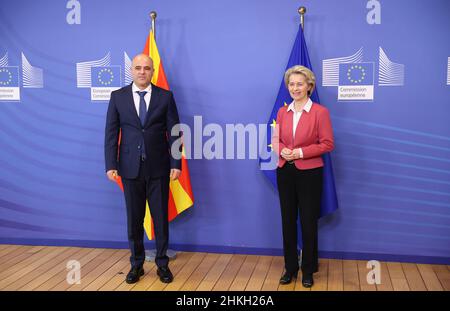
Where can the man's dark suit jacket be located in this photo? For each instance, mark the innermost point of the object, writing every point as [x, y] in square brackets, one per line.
[162, 115]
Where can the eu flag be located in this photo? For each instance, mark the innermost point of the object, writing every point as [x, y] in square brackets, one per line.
[9, 76]
[299, 56]
[105, 76]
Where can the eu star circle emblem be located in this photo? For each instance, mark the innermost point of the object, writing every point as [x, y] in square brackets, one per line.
[356, 74]
[5, 77]
[105, 76]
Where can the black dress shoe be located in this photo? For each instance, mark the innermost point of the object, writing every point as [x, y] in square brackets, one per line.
[164, 274]
[307, 280]
[287, 278]
[134, 275]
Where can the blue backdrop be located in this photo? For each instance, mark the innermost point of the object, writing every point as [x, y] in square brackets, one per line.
[224, 61]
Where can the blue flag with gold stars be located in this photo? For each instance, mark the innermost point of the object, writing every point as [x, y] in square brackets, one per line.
[299, 56]
[105, 76]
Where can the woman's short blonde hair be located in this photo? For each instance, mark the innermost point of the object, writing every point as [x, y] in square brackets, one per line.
[301, 70]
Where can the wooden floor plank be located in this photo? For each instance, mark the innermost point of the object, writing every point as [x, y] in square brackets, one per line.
[84, 257]
[4, 246]
[60, 259]
[101, 258]
[321, 277]
[89, 275]
[443, 275]
[199, 274]
[335, 275]
[429, 277]
[243, 276]
[58, 268]
[398, 278]
[386, 284]
[14, 257]
[116, 268]
[224, 283]
[273, 275]
[35, 261]
[413, 277]
[6, 250]
[259, 274]
[214, 273]
[44, 268]
[351, 275]
[17, 258]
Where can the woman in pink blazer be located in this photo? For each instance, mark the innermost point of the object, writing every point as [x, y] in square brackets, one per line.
[303, 133]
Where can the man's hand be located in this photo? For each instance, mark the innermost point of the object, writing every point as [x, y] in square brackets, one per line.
[112, 175]
[174, 174]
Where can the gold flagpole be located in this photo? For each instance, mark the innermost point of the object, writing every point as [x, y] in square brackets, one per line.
[153, 17]
[151, 254]
[302, 11]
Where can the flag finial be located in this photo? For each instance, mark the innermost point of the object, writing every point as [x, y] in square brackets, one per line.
[153, 17]
[302, 11]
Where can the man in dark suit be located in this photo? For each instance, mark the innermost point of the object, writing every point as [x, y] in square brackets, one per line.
[144, 114]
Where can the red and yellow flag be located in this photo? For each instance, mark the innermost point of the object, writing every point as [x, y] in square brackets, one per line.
[180, 194]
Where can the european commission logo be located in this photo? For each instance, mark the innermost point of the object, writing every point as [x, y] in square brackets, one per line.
[101, 77]
[32, 77]
[355, 79]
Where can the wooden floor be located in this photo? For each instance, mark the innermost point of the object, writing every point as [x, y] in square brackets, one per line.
[42, 268]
